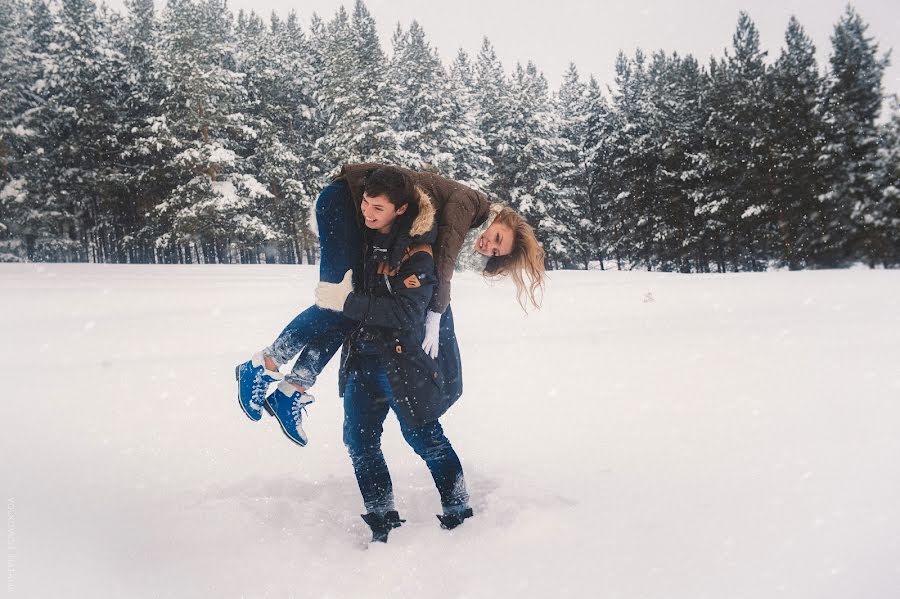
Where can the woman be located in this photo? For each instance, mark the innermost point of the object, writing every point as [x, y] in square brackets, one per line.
[508, 242]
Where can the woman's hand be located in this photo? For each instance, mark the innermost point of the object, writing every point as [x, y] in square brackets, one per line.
[332, 296]
[432, 333]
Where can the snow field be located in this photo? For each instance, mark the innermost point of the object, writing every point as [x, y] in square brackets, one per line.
[644, 435]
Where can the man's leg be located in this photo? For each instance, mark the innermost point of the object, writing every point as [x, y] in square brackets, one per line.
[365, 408]
[430, 443]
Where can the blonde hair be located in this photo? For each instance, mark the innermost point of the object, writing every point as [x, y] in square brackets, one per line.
[525, 260]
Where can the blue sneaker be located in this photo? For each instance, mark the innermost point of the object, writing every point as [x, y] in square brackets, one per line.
[253, 381]
[287, 405]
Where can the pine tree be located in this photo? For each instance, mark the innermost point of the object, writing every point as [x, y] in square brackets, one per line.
[417, 82]
[739, 181]
[677, 115]
[536, 153]
[795, 147]
[43, 222]
[282, 155]
[574, 105]
[600, 126]
[633, 159]
[17, 100]
[465, 147]
[852, 102]
[83, 78]
[144, 183]
[214, 210]
[883, 216]
[355, 92]
[494, 106]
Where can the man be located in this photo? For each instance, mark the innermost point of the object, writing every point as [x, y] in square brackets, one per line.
[384, 366]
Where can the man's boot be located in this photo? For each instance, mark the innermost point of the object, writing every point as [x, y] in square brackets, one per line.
[382, 524]
[451, 520]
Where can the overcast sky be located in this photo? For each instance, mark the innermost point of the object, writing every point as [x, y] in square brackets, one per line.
[553, 33]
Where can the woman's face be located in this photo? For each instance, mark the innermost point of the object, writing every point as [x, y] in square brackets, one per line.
[497, 240]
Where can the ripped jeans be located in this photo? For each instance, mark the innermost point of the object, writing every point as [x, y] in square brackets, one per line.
[367, 400]
[316, 333]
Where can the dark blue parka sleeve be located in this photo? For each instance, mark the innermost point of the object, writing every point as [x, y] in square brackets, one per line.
[411, 292]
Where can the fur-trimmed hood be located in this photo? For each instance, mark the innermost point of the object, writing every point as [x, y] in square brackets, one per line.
[425, 219]
[413, 228]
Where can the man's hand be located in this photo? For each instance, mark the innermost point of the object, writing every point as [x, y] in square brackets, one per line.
[432, 333]
[332, 296]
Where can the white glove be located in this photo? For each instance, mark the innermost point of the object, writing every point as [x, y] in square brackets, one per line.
[332, 296]
[432, 333]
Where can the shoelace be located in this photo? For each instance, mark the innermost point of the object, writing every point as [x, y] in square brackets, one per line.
[258, 393]
[299, 409]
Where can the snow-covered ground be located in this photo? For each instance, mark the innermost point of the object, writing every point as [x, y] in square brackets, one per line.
[645, 435]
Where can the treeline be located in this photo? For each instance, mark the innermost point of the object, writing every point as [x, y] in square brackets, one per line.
[192, 136]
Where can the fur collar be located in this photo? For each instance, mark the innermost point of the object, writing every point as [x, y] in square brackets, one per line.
[424, 221]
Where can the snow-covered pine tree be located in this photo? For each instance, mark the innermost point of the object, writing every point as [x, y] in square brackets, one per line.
[417, 81]
[573, 104]
[334, 52]
[355, 92]
[601, 123]
[84, 76]
[795, 145]
[883, 216]
[494, 110]
[462, 140]
[39, 218]
[145, 180]
[536, 153]
[214, 211]
[739, 184]
[434, 114]
[676, 87]
[17, 101]
[279, 86]
[633, 158]
[851, 105]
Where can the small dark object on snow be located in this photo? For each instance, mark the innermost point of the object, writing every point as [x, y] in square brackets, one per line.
[451, 521]
[382, 525]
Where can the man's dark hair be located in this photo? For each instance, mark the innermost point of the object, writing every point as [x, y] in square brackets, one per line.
[393, 183]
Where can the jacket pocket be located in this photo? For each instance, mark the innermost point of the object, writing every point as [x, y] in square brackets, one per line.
[412, 356]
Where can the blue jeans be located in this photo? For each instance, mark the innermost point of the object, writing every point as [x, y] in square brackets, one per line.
[367, 399]
[316, 333]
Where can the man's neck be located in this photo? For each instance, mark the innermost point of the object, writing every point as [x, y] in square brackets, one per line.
[385, 230]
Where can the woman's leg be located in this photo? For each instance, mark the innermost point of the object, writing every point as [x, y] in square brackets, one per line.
[365, 408]
[430, 443]
[317, 333]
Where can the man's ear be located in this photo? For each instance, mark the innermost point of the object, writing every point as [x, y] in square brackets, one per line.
[402, 209]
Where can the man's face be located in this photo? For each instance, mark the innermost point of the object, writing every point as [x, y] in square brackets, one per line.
[380, 213]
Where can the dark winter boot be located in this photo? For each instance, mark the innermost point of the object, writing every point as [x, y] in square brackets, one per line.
[381, 525]
[451, 520]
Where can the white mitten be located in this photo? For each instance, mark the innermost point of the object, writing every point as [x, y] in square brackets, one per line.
[432, 333]
[332, 296]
